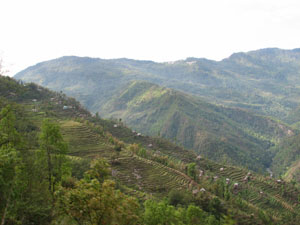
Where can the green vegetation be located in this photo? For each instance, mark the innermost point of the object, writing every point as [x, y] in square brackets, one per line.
[9, 162]
[94, 199]
[265, 81]
[287, 158]
[219, 133]
[112, 175]
[55, 150]
[162, 213]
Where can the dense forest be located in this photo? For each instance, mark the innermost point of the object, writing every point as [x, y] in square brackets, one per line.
[59, 164]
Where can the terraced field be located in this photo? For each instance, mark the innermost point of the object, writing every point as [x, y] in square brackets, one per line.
[141, 170]
[129, 136]
[143, 177]
[275, 197]
[149, 176]
[131, 170]
[83, 141]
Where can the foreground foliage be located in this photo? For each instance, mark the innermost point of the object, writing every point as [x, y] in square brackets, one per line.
[94, 200]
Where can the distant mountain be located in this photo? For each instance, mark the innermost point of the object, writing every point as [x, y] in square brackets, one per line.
[219, 133]
[265, 81]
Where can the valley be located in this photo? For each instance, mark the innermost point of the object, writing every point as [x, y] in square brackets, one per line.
[159, 146]
[235, 111]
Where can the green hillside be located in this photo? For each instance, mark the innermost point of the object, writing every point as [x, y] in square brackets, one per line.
[293, 118]
[286, 161]
[154, 175]
[142, 167]
[265, 81]
[224, 134]
[287, 158]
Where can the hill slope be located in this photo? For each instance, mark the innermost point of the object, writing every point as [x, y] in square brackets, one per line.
[144, 170]
[265, 81]
[287, 158]
[223, 134]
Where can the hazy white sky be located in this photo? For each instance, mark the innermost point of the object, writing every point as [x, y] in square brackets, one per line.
[159, 30]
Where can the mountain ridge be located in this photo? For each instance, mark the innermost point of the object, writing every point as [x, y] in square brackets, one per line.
[264, 82]
[265, 85]
[214, 131]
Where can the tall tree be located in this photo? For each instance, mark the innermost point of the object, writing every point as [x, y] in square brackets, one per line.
[55, 148]
[9, 137]
[9, 160]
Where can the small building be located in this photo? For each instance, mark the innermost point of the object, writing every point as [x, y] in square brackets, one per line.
[157, 152]
[227, 180]
[221, 169]
[202, 190]
[246, 178]
[236, 185]
[195, 191]
[199, 157]
[150, 145]
[115, 125]
[201, 172]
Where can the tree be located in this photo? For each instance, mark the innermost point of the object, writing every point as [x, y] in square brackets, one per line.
[195, 215]
[52, 143]
[179, 197]
[216, 207]
[9, 161]
[99, 169]
[94, 200]
[211, 220]
[9, 137]
[159, 213]
[191, 170]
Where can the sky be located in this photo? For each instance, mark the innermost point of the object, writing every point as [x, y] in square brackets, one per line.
[160, 30]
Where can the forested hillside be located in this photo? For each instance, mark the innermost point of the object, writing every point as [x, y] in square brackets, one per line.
[61, 165]
[287, 158]
[265, 81]
[228, 135]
